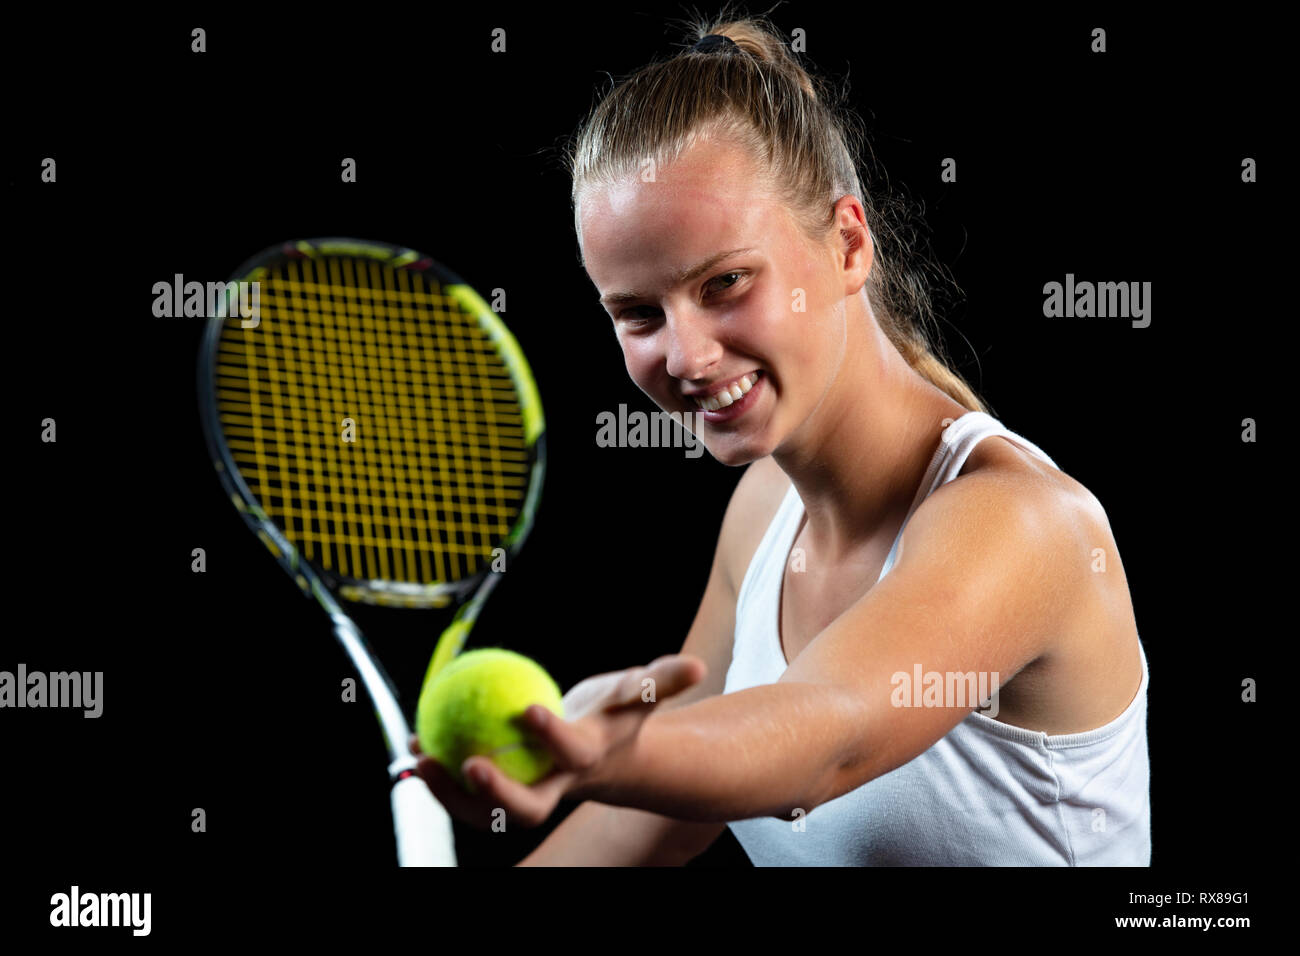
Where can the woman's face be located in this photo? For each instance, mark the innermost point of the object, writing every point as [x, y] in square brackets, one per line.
[723, 285]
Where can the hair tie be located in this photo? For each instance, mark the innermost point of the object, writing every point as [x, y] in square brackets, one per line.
[716, 43]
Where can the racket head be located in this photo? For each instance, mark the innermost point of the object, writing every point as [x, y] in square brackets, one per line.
[372, 419]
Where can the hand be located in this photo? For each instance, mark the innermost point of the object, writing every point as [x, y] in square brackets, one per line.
[601, 713]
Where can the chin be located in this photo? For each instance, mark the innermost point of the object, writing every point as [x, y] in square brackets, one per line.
[734, 457]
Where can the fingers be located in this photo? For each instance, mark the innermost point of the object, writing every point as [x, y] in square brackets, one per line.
[592, 692]
[577, 744]
[528, 806]
[668, 675]
[479, 806]
[573, 750]
[680, 672]
[450, 794]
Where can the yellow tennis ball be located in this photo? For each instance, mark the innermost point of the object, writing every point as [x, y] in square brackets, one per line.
[475, 706]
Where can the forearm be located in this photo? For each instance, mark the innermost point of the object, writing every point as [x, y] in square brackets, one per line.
[598, 835]
[766, 751]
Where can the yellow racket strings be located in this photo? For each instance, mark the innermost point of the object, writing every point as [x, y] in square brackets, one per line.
[374, 420]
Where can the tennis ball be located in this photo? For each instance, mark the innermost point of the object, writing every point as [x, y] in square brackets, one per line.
[475, 706]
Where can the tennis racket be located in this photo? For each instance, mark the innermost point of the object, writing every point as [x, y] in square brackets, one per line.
[380, 431]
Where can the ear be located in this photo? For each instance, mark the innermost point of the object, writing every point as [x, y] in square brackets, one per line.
[857, 246]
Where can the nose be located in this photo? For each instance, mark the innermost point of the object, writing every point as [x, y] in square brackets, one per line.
[692, 348]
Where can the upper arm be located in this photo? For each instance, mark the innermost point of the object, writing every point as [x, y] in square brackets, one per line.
[711, 637]
[990, 567]
[598, 834]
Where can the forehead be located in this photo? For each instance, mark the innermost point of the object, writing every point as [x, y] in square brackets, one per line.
[709, 200]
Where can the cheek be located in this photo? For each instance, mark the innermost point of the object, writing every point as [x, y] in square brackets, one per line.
[638, 360]
[800, 348]
[782, 335]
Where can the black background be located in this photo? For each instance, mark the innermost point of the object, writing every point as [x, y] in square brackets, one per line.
[222, 689]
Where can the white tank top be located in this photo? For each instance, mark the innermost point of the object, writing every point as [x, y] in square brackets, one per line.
[987, 793]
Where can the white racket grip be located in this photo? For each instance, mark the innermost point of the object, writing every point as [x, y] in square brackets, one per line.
[422, 826]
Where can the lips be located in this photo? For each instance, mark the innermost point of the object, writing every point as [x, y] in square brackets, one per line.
[738, 408]
[727, 394]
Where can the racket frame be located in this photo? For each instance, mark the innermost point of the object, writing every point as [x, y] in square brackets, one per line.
[422, 826]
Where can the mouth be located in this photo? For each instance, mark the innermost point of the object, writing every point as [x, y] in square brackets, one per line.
[727, 395]
[733, 401]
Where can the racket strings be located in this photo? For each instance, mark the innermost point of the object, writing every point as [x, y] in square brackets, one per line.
[374, 420]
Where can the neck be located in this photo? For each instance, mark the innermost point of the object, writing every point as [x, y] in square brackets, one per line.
[859, 458]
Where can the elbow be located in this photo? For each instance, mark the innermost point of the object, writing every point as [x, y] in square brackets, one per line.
[843, 777]
[793, 815]
[799, 807]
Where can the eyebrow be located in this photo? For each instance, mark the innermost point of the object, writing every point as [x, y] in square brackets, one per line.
[685, 275]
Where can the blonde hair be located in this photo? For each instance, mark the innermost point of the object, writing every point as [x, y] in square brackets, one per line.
[792, 123]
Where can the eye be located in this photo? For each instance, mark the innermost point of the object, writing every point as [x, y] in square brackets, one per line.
[629, 315]
[738, 277]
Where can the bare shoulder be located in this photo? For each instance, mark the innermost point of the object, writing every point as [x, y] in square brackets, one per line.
[1075, 512]
[1002, 481]
[1092, 669]
[754, 504]
[1003, 461]
[1006, 491]
[1055, 517]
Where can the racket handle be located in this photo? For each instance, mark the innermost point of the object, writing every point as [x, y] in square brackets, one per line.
[422, 826]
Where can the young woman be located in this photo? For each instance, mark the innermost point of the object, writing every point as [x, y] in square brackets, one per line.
[891, 544]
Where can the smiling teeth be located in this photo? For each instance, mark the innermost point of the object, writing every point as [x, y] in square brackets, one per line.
[728, 395]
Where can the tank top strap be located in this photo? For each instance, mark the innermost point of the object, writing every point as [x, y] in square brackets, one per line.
[961, 437]
[956, 442]
[775, 544]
